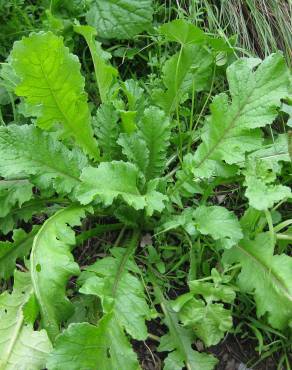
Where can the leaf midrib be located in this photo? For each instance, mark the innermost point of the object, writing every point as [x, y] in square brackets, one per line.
[34, 273]
[222, 137]
[53, 94]
[56, 170]
[46, 312]
[270, 272]
[50, 166]
[122, 263]
[66, 118]
[15, 335]
[173, 329]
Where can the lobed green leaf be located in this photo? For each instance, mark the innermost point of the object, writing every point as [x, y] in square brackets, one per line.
[28, 151]
[120, 19]
[256, 89]
[52, 264]
[267, 276]
[52, 84]
[21, 347]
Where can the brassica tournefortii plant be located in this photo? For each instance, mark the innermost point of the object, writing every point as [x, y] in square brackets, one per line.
[141, 164]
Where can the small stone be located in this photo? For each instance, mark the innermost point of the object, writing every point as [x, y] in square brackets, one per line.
[200, 346]
[146, 240]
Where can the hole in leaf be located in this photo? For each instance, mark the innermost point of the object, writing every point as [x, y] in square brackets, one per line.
[38, 268]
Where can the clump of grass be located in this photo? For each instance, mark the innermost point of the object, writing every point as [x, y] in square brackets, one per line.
[17, 18]
[261, 26]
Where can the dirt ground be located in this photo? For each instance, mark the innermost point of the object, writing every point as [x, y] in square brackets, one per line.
[231, 353]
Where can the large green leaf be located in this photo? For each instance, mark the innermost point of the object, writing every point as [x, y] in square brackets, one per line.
[105, 74]
[154, 130]
[135, 149]
[120, 291]
[111, 180]
[212, 292]
[146, 147]
[11, 251]
[51, 81]
[107, 129]
[182, 32]
[135, 96]
[28, 151]
[218, 222]
[267, 276]
[124, 306]
[52, 265]
[20, 346]
[273, 153]
[13, 193]
[85, 346]
[262, 191]
[187, 71]
[178, 341]
[233, 126]
[120, 19]
[208, 320]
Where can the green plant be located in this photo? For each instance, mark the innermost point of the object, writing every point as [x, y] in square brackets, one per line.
[143, 158]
